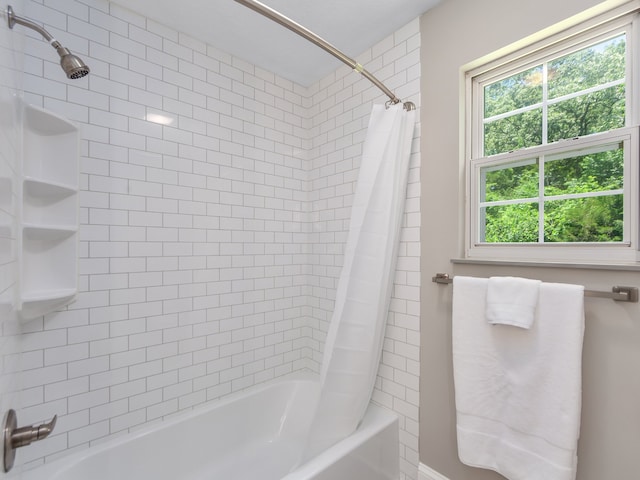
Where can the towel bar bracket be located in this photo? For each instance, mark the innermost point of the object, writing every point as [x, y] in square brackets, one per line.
[442, 278]
[618, 293]
[629, 294]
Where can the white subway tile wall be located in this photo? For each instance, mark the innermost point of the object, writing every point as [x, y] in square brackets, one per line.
[214, 207]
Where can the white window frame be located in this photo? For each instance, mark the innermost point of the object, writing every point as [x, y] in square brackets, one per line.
[625, 252]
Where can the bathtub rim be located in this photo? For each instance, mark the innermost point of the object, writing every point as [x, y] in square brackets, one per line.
[376, 419]
[73, 458]
[365, 429]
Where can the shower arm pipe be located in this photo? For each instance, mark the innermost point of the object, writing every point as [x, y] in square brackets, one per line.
[25, 22]
[315, 39]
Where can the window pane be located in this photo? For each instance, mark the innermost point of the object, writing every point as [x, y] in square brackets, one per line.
[511, 133]
[510, 182]
[594, 172]
[514, 92]
[593, 219]
[592, 113]
[510, 223]
[590, 67]
[547, 143]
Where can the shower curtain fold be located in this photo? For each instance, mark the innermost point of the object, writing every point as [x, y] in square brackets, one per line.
[354, 341]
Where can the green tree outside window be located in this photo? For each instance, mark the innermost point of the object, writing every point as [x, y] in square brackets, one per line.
[575, 95]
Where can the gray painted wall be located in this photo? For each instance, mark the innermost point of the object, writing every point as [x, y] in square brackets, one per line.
[454, 34]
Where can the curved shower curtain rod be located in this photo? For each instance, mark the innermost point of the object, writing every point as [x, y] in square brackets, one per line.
[313, 38]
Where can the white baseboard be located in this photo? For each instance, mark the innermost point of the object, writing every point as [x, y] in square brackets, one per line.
[427, 473]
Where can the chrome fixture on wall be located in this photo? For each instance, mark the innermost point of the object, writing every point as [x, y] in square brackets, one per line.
[73, 66]
[13, 437]
[617, 293]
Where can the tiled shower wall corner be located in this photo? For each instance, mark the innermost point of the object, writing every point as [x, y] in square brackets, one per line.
[340, 108]
[214, 207]
[11, 66]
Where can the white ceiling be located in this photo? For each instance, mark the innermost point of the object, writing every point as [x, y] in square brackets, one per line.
[352, 26]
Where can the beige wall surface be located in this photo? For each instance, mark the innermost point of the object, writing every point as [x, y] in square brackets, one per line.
[454, 34]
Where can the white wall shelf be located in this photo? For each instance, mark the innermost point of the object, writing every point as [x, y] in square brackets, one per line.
[43, 189]
[48, 233]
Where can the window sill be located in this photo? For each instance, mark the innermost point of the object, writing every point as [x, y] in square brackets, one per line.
[509, 263]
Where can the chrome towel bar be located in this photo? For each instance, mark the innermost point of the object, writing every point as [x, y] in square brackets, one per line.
[618, 293]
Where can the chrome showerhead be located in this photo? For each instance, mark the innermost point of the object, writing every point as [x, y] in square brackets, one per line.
[72, 65]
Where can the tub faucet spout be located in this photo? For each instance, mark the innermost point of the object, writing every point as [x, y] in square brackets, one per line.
[23, 436]
[14, 437]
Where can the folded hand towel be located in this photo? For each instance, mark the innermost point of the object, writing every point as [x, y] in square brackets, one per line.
[517, 391]
[512, 301]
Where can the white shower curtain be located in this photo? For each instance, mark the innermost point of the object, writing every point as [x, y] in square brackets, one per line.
[354, 341]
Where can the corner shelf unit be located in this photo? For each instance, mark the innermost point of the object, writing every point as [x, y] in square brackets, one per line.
[48, 233]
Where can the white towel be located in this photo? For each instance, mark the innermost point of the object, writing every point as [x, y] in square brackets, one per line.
[512, 301]
[517, 391]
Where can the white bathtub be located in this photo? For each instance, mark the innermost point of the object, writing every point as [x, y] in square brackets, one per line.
[257, 434]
